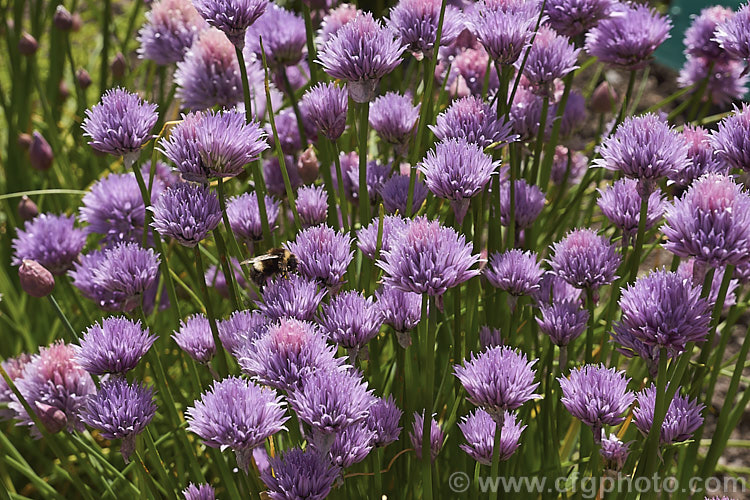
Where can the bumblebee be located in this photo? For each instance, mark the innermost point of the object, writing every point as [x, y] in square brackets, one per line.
[277, 261]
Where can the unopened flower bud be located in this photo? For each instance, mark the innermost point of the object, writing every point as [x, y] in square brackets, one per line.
[35, 279]
[77, 21]
[27, 209]
[118, 66]
[84, 80]
[604, 98]
[40, 153]
[24, 141]
[63, 19]
[63, 89]
[308, 166]
[27, 45]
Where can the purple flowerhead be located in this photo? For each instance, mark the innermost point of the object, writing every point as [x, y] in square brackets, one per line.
[574, 17]
[383, 420]
[457, 170]
[498, 379]
[711, 222]
[14, 368]
[51, 240]
[395, 193]
[325, 105]
[283, 34]
[233, 17]
[628, 37]
[361, 52]
[170, 29]
[195, 338]
[725, 80]
[597, 396]
[697, 274]
[428, 258]
[437, 436]
[114, 346]
[585, 259]
[56, 387]
[393, 117]
[683, 417]
[504, 28]
[551, 56]
[700, 36]
[563, 321]
[553, 288]
[120, 124]
[215, 277]
[703, 158]
[367, 237]
[568, 165]
[644, 148]
[416, 22]
[331, 400]
[351, 445]
[474, 120]
[323, 254]
[614, 452]
[732, 139]
[226, 143]
[351, 320]
[526, 112]
[733, 34]
[209, 74]
[489, 337]
[114, 207]
[664, 310]
[287, 354]
[120, 411]
[199, 492]
[312, 205]
[287, 131]
[529, 203]
[241, 329]
[237, 414]
[621, 204]
[117, 277]
[186, 212]
[275, 177]
[292, 297]
[334, 20]
[479, 428]
[515, 271]
[400, 310]
[299, 474]
[244, 215]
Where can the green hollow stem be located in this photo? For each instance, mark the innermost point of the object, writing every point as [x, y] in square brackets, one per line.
[428, 349]
[626, 100]
[311, 51]
[279, 152]
[549, 150]
[295, 107]
[364, 196]
[104, 56]
[377, 477]
[638, 247]
[223, 365]
[60, 314]
[651, 446]
[512, 202]
[343, 203]
[716, 318]
[496, 457]
[540, 140]
[245, 85]
[590, 326]
[226, 264]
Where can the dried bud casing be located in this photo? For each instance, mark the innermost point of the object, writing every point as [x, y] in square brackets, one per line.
[27, 209]
[40, 153]
[35, 279]
[24, 141]
[604, 98]
[27, 45]
[308, 166]
[63, 19]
